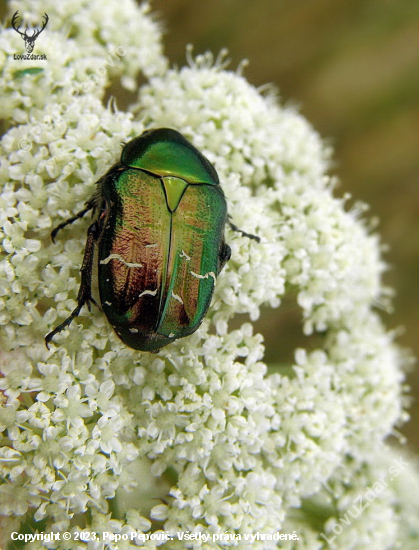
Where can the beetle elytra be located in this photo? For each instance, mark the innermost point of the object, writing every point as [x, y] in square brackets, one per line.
[158, 241]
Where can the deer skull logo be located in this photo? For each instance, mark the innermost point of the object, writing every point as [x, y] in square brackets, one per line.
[29, 40]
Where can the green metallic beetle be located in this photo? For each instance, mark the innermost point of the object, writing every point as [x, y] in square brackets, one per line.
[160, 241]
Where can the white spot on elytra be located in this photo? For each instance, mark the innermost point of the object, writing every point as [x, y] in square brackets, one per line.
[151, 245]
[121, 259]
[184, 255]
[149, 292]
[176, 297]
[198, 276]
[133, 330]
[171, 335]
[108, 303]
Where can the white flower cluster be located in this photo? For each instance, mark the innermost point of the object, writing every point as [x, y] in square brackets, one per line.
[93, 432]
[88, 45]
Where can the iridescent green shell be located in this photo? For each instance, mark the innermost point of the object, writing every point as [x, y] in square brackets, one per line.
[161, 245]
[165, 152]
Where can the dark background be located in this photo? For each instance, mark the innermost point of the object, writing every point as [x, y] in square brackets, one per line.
[352, 67]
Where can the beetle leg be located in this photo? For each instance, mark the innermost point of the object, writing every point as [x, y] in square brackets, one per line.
[249, 235]
[90, 204]
[85, 291]
[225, 254]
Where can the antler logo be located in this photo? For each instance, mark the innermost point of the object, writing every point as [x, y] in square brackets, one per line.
[29, 40]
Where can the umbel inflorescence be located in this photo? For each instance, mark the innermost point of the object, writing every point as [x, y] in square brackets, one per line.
[200, 438]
